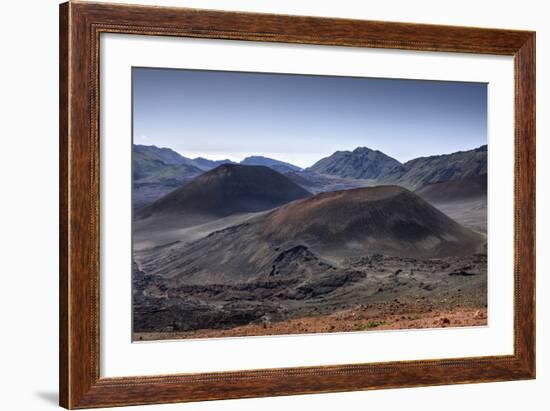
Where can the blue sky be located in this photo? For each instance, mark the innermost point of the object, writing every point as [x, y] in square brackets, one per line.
[301, 118]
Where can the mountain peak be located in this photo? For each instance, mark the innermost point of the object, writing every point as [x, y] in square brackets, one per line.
[363, 163]
[421, 171]
[364, 150]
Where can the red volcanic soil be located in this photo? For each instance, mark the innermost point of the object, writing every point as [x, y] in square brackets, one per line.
[372, 317]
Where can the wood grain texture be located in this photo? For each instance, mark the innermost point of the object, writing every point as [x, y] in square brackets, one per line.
[80, 27]
[525, 203]
[63, 205]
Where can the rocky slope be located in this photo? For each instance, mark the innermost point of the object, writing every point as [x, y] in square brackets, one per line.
[372, 291]
[361, 163]
[419, 172]
[364, 163]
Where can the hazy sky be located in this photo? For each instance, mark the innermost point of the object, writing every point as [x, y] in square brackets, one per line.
[301, 118]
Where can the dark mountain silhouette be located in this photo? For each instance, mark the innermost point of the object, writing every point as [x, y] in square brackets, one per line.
[361, 163]
[455, 190]
[421, 171]
[323, 230]
[277, 165]
[226, 190]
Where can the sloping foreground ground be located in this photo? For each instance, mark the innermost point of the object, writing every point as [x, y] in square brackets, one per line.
[381, 293]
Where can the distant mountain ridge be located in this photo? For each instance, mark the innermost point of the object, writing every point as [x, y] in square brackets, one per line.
[361, 163]
[157, 171]
[278, 165]
[372, 164]
[421, 171]
[170, 157]
[149, 160]
[154, 153]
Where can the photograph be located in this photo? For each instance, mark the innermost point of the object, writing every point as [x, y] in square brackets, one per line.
[282, 203]
[275, 205]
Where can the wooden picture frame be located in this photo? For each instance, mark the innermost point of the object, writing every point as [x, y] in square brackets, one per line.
[81, 24]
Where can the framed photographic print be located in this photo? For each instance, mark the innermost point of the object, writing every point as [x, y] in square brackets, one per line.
[258, 205]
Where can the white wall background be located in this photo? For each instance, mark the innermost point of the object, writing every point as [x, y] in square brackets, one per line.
[28, 210]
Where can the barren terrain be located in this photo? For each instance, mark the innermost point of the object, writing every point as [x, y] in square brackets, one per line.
[377, 290]
[358, 319]
[285, 261]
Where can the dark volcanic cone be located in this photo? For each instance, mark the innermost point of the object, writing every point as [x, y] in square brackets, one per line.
[309, 236]
[384, 219]
[226, 190]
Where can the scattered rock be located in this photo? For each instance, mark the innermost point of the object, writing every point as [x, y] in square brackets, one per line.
[479, 315]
